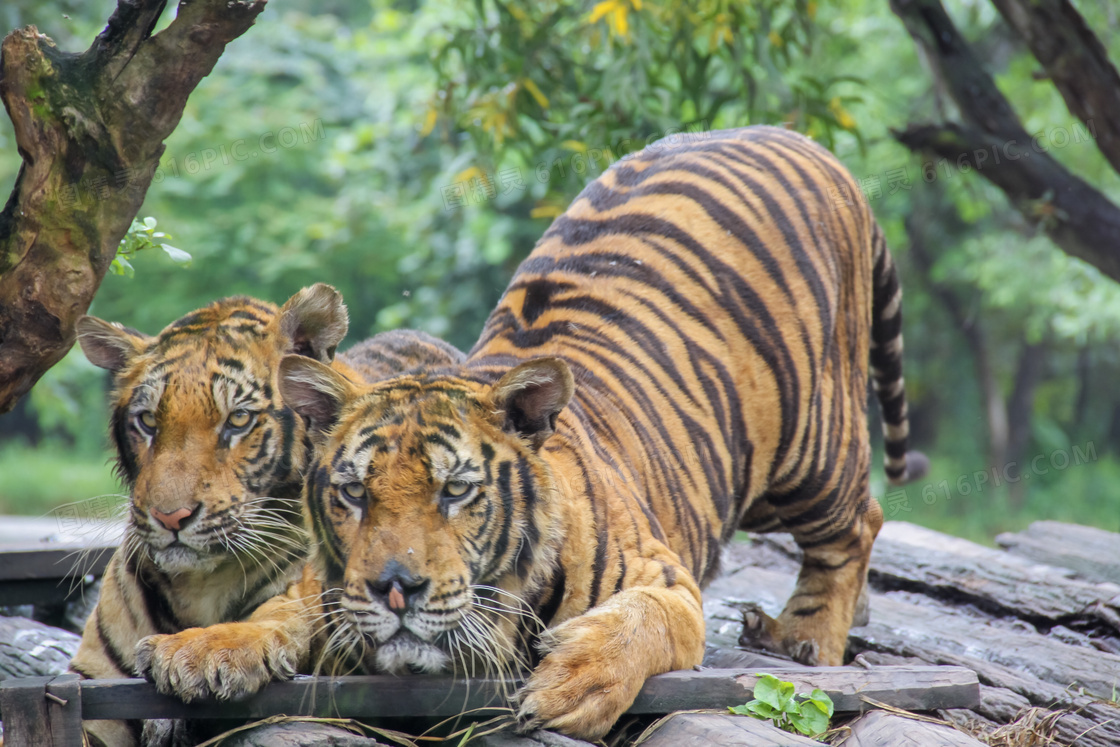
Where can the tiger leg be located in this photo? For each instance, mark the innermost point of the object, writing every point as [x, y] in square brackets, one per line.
[229, 661]
[831, 589]
[596, 663]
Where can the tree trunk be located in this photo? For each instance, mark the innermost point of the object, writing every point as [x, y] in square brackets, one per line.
[90, 129]
[1020, 408]
[995, 410]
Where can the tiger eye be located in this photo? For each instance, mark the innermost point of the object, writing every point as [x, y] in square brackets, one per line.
[148, 420]
[456, 488]
[239, 419]
[354, 490]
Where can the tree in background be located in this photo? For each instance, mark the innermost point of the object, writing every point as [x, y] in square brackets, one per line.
[95, 120]
[411, 154]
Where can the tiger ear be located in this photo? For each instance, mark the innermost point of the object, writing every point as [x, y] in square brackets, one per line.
[314, 321]
[109, 345]
[531, 396]
[314, 390]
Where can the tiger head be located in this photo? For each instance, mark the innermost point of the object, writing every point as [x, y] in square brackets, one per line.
[434, 514]
[211, 455]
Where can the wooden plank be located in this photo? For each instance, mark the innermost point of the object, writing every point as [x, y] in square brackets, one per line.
[353, 696]
[1092, 553]
[64, 709]
[379, 695]
[55, 562]
[723, 729]
[880, 728]
[23, 704]
[914, 688]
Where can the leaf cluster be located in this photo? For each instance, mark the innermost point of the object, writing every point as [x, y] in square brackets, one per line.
[142, 234]
[776, 701]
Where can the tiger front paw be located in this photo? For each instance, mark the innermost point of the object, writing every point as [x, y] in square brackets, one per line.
[584, 683]
[227, 662]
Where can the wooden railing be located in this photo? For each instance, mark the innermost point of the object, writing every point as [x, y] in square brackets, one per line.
[48, 711]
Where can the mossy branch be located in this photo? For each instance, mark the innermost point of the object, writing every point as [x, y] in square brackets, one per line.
[90, 129]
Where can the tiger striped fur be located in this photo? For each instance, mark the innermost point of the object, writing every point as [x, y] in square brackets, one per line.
[685, 352]
[215, 475]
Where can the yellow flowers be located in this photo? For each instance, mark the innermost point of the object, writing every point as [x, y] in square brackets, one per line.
[546, 210]
[429, 122]
[617, 13]
[843, 118]
[535, 92]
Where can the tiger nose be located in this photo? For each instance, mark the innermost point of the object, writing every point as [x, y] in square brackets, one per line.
[174, 520]
[397, 588]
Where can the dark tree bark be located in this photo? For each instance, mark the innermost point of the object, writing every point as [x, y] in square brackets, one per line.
[1076, 62]
[90, 129]
[990, 138]
[970, 327]
[1020, 409]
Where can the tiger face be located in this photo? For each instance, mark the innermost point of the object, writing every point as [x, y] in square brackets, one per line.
[432, 510]
[203, 440]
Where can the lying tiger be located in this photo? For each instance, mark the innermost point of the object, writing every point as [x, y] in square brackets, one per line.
[214, 463]
[684, 353]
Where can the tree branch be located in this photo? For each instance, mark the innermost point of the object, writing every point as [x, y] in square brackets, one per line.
[1076, 62]
[1078, 218]
[90, 129]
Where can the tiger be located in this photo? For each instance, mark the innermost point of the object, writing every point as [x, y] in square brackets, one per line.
[685, 352]
[213, 461]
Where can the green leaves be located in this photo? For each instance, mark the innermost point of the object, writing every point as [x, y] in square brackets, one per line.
[776, 701]
[141, 235]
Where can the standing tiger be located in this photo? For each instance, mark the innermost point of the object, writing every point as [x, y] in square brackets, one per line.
[214, 463]
[684, 352]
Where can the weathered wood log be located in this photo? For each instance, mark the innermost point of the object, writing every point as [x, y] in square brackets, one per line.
[31, 649]
[539, 738]
[907, 557]
[1006, 692]
[722, 729]
[298, 734]
[880, 728]
[729, 658]
[913, 558]
[1019, 665]
[1092, 553]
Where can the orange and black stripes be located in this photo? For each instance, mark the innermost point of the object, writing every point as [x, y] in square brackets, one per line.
[685, 352]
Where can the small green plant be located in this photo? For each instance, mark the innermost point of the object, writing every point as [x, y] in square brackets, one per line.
[776, 701]
[140, 236]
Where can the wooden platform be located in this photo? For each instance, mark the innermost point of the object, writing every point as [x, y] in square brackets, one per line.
[967, 635]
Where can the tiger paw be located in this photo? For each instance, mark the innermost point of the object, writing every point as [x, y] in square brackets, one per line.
[227, 662]
[760, 631]
[584, 684]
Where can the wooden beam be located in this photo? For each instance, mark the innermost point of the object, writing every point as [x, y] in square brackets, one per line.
[64, 709]
[24, 705]
[915, 688]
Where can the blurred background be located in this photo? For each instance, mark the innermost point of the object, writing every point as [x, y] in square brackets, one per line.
[411, 153]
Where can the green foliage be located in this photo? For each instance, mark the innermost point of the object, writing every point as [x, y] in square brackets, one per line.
[411, 155]
[37, 480]
[141, 235]
[776, 701]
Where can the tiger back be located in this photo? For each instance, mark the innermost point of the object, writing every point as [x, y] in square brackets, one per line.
[685, 352]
